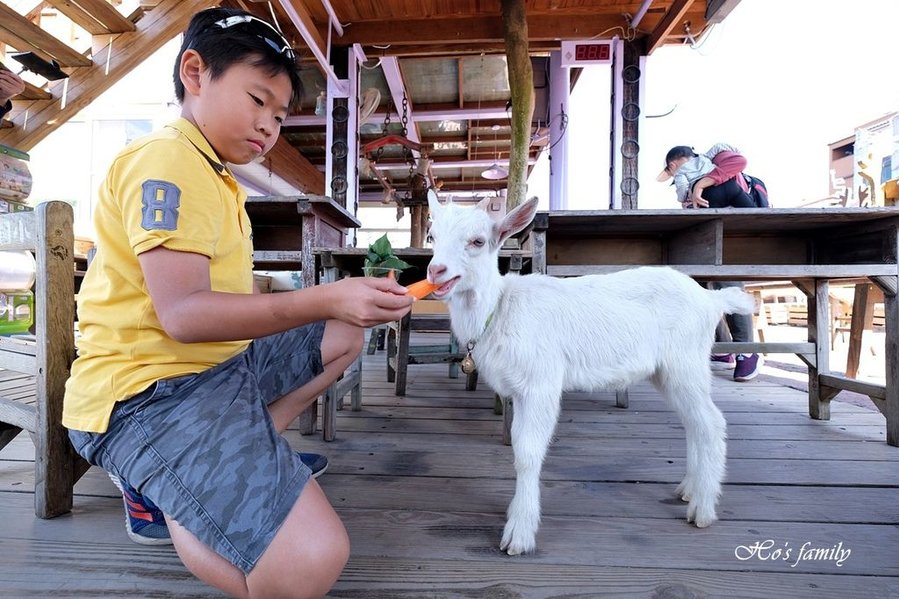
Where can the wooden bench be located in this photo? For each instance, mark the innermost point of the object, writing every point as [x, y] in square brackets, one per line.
[47, 358]
[807, 247]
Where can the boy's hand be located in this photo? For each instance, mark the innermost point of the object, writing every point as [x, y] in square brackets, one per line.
[369, 301]
[699, 201]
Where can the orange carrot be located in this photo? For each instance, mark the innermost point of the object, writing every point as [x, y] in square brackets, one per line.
[421, 289]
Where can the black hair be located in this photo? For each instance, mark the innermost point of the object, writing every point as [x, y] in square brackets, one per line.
[679, 152]
[224, 47]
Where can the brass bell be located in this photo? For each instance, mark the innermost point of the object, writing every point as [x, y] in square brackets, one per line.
[468, 365]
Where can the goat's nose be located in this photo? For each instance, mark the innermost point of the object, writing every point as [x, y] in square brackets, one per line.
[435, 270]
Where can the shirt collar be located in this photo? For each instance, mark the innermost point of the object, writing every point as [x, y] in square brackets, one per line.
[190, 131]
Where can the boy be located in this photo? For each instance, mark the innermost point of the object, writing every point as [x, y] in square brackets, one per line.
[167, 393]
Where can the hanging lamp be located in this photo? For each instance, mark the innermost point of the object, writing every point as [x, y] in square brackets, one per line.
[495, 172]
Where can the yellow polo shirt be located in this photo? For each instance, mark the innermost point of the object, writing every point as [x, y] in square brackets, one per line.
[167, 189]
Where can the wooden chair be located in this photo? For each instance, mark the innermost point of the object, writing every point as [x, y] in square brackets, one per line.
[47, 231]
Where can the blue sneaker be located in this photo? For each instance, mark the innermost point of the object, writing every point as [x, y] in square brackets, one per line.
[316, 462]
[144, 521]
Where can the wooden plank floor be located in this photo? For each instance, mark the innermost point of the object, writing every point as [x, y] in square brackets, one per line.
[422, 483]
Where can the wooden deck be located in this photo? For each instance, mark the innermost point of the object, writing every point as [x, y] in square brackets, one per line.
[422, 483]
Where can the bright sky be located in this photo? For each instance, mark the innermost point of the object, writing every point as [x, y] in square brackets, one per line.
[779, 79]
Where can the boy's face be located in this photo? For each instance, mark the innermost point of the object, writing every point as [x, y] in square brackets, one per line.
[241, 112]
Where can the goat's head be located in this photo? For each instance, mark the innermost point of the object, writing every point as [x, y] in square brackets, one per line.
[466, 243]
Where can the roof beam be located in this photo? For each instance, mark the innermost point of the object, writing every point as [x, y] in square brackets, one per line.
[155, 28]
[97, 17]
[25, 36]
[391, 67]
[674, 16]
[302, 20]
[286, 161]
[33, 92]
[441, 164]
[456, 50]
[468, 113]
[476, 29]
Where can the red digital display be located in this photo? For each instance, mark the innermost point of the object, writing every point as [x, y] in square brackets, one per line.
[592, 52]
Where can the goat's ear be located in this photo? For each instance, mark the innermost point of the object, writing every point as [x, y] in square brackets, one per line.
[516, 220]
[434, 202]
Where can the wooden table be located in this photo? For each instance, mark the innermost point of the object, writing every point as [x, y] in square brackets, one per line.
[287, 228]
[348, 262]
[808, 247]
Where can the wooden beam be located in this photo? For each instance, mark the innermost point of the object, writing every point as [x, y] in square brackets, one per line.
[397, 87]
[155, 29]
[521, 85]
[460, 83]
[477, 29]
[299, 7]
[448, 50]
[674, 16]
[97, 17]
[25, 36]
[33, 92]
[285, 161]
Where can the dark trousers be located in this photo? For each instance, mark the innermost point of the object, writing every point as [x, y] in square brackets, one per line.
[728, 194]
[739, 325]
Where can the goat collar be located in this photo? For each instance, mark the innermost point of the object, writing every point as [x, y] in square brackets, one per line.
[468, 364]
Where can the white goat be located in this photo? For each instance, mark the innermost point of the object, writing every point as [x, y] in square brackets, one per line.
[533, 337]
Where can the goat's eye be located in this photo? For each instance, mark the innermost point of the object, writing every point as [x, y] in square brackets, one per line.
[478, 242]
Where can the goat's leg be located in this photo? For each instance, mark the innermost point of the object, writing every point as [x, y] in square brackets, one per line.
[532, 429]
[685, 488]
[689, 394]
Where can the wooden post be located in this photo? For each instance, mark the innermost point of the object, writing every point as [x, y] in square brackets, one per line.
[630, 112]
[521, 84]
[819, 333]
[891, 401]
[862, 320]
[416, 239]
[340, 141]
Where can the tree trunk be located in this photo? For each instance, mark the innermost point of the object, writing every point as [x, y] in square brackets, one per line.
[521, 84]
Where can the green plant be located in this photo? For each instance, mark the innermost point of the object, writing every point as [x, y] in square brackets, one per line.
[381, 261]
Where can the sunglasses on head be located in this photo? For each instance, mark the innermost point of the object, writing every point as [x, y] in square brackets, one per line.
[262, 30]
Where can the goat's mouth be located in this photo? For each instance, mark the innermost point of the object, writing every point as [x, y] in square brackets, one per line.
[446, 287]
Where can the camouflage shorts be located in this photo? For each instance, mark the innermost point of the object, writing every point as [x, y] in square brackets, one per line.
[204, 449]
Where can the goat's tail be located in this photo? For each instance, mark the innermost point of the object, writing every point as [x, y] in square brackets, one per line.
[733, 300]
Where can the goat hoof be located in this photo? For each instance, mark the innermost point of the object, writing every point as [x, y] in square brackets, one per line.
[513, 549]
[701, 518]
[684, 490]
[516, 544]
